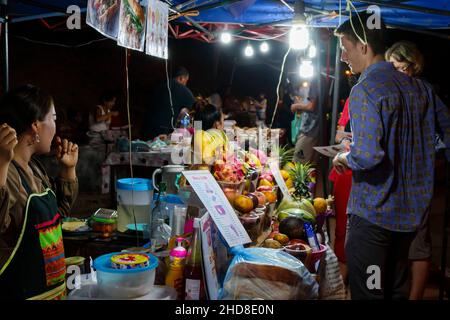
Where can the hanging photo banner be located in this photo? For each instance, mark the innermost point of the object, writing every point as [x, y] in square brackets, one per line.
[157, 29]
[103, 16]
[218, 206]
[132, 19]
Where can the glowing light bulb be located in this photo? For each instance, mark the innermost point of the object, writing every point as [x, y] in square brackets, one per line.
[248, 51]
[299, 37]
[306, 69]
[225, 37]
[312, 51]
[264, 47]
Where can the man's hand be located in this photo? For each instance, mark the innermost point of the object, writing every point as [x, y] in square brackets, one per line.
[340, 162]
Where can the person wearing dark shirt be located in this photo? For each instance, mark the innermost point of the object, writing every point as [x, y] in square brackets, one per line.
[305, 102]
[162, 114]
[394, 119]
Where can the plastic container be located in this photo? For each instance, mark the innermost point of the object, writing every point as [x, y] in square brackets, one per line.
[104, 221]
[170, 201]
[134, 197]
[91, 292]
[124, 283]
[232, 189]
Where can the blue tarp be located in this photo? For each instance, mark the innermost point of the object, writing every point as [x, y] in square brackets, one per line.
[259, 11]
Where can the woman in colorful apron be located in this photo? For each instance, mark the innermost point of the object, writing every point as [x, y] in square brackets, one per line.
[34, 267]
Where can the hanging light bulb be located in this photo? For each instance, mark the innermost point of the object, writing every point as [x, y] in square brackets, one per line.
[306, 69]
[312, 51]
[264, 47]
[299, 37]
[248, 51]
[225, 37]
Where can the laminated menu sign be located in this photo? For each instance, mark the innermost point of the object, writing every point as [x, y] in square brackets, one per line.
[279, 179]
[212, 258]
[132, 19]
[157, 29]
[103, 15]
[218, 206]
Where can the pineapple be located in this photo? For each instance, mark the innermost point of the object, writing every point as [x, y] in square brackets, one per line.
[300, 174]
[285, 155]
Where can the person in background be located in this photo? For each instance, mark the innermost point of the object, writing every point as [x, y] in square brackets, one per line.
[393, 119]
[215, 100]
[305, 102]
[165, 109]
[32, 264]
[101, 118]
[210, 116]
[261, 107]
[407, 58]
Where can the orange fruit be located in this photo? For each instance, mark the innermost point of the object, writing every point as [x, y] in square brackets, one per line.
[265, 182]
[243, 204]
[281, 238]
[271, 196]
[320, 205]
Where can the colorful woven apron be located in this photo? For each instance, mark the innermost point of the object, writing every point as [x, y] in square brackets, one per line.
[36, 268]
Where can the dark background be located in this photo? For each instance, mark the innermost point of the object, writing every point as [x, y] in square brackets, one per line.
[76, 76]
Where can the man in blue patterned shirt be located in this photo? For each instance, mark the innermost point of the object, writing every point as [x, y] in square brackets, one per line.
[393, 119]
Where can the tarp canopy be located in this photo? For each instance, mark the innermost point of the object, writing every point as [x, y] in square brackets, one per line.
[420, 14]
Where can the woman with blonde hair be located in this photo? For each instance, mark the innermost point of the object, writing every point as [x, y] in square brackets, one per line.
[406, 58]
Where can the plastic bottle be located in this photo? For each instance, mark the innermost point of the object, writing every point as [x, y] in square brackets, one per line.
[160, 234]
[194, 283]
[175, 277]
[311, 235]
[159, 211]
[186, 121]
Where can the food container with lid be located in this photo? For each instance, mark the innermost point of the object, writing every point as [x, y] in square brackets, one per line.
[104, 221]
[124, 283]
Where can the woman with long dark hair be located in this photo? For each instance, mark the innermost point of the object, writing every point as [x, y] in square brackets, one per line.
[32, 264]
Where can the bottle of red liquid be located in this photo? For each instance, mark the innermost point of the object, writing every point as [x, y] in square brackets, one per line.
[193, 275]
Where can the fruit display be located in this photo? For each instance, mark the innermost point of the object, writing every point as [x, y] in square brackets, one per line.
[261, 198]
[320, 205]
[300, 174]
[229, 170]
[243, 204]
[209, 145]
[272, 244]
[281, 238]
[269, 192]
[303, 204]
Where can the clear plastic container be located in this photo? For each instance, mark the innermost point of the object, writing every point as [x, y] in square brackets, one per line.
[124, 283]
[134, 198]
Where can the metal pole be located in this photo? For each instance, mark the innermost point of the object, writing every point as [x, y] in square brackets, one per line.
[337, 79]
[320, 105]
[5, 47]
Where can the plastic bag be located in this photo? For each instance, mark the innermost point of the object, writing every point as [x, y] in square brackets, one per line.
[331, 284]
[267, 274]
[295, 127]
